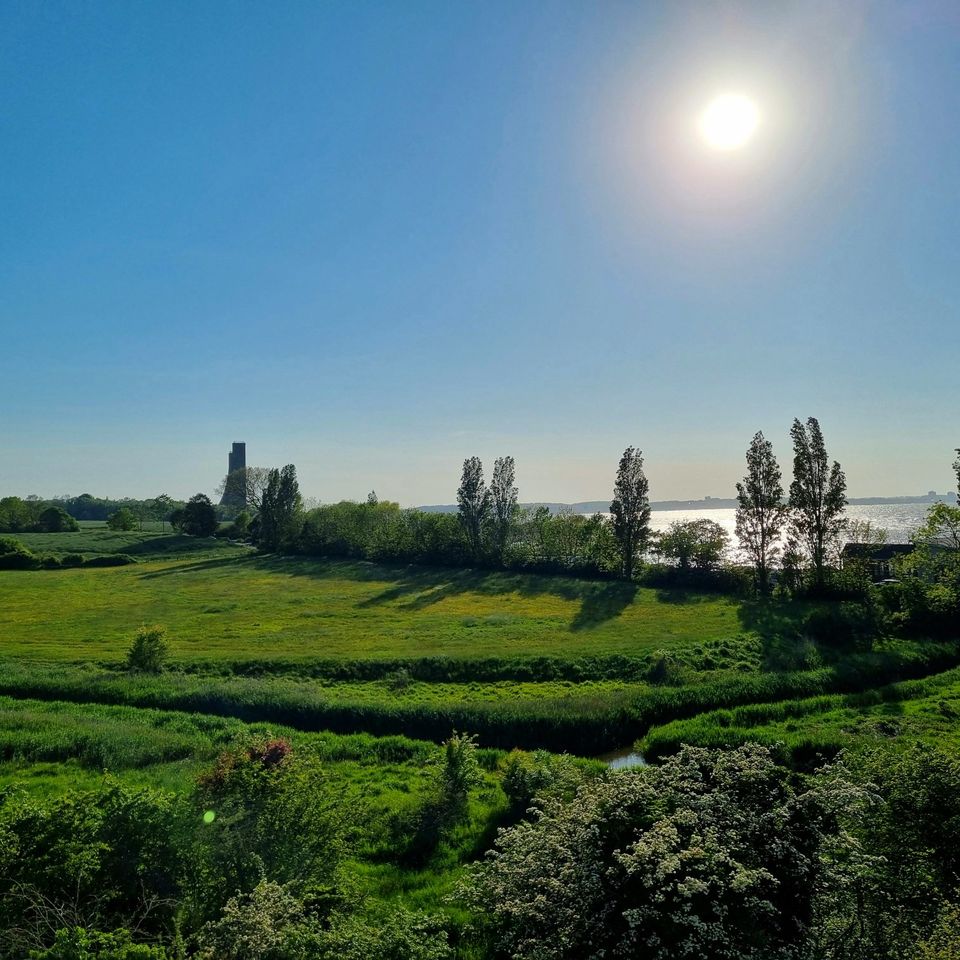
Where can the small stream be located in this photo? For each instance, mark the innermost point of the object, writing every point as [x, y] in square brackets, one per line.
[623, 759]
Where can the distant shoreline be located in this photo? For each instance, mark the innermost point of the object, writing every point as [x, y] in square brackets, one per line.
[709, 503]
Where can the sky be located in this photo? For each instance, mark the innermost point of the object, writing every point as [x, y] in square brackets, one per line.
[373, 239]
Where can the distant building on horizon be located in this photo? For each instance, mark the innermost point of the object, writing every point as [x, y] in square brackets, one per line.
[235, 495]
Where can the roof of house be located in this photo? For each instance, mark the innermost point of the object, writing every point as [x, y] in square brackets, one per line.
[877, 551]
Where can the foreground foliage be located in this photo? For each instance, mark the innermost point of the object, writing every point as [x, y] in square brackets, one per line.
[709, 855]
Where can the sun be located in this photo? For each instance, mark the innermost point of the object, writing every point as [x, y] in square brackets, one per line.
[729, 121]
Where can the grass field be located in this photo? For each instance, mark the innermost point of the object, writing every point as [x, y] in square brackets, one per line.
[924, 710]
[238, 606]
[97, 540]
[521, 660]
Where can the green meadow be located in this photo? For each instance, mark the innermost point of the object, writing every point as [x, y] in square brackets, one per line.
[522, 660]
[236, 605]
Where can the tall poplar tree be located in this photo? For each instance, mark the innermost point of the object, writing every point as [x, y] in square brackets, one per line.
[630, 509]
[503, 494]
[280, 507]
[818, 495]
[761, 510]
[473, 499]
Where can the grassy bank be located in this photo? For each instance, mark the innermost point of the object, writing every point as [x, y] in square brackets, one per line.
[805, 730]
[583, 718]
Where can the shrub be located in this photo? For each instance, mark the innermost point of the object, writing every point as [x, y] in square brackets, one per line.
[711, 854]
[843, 626]
[110, 560]
[50, 563]
[268, 923]
[15, 556]
[108, 855]
[531, 777]
[275, 820]
[76, 943]
[148, 650]
[456, 770]
[943, 943]
[122, 519]
[56, 520]
[72, 560]
[398, 680]
[401, 935]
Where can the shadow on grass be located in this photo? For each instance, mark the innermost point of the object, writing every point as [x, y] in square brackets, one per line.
[682, 596]
[198, 566]
[415, 588]
[177, 548]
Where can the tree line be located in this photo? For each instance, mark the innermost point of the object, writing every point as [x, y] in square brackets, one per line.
[793, 535]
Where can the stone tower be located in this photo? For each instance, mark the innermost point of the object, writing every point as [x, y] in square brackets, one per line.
[236, 460]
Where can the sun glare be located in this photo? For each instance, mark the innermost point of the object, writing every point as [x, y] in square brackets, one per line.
[729, 121]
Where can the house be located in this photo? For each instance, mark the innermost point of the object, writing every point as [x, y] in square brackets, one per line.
[878, 556]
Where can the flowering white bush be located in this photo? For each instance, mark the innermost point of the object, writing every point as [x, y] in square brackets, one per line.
[712, 854]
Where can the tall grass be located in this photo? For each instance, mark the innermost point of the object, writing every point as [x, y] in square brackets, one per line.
[120, 737]
[577, 722]
[816, 727]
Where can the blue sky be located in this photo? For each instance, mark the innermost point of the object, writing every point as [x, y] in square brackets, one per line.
[374, 239]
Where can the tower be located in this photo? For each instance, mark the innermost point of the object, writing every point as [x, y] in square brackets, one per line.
[237, 458]
[235, 494]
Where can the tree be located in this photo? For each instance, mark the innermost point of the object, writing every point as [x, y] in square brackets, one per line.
[956, 467]
[280, 508]
[473, 499]
[698, 542]
[17, 515]
[761, 511]
[122, 519]
[630, 509]
[941, 529]
[711, 854]
[161, 506]
[56, 520]
[503, 494]
[199, 517]
[245, 487]
[817, 495]
[148, 650]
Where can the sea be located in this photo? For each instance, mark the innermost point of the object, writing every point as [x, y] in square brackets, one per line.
[900, 520]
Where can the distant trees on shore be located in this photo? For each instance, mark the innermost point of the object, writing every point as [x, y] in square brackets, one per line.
[797, 535]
